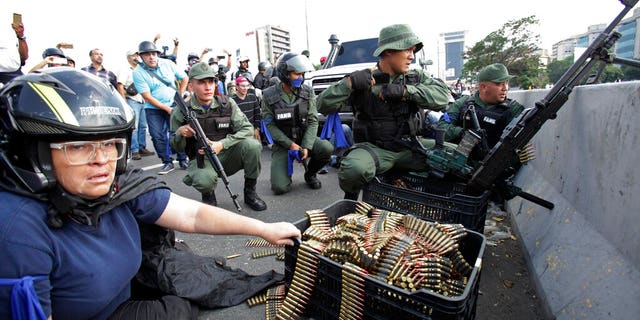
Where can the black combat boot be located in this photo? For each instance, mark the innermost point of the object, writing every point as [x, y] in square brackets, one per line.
[310, 175]
[209, 198]
[251, 197]
[351, 196]
[312, 181]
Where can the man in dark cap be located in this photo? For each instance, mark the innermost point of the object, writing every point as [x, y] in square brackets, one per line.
[493, 109]
[384, 100]
[230, 134]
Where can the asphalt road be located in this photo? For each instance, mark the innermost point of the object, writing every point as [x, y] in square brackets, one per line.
[505, 289]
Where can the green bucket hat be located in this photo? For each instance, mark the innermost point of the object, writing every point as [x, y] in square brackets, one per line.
[397, 37]
[496, 72]
[201, 70]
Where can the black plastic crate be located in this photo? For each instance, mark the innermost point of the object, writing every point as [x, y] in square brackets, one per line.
[429, 199]
[383, 301]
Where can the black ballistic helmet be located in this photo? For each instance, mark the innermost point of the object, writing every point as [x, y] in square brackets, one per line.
[52, 52]
[147, 46]
[292, 62]
[55, 105]
[263, 65]
[192, 55]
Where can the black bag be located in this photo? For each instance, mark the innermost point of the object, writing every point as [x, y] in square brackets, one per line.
[171, 268]
[131, 90]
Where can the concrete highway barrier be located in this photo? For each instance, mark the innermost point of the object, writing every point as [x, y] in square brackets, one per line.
[583, 255]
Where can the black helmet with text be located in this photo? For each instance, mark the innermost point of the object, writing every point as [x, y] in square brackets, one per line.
[55, 105]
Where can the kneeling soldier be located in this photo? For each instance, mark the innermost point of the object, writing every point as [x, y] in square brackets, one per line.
[289, 111]
[230, 134]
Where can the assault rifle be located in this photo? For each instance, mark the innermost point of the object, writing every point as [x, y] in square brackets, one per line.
[522, 129]
[484, 144]
[190, 117]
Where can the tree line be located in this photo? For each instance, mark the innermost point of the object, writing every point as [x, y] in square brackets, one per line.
[517, 47]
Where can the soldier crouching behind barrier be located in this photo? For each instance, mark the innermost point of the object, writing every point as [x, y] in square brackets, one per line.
[289, 111]
[384, 100]
[230, 133]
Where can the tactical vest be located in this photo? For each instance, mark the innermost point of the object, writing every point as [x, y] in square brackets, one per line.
[291, 119]
[493, 120]
[216, 124]
[383, 123]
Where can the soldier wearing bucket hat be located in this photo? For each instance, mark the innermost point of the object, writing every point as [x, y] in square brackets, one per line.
[397, 37]
[383, 108]
[229, 130]
[493, 109]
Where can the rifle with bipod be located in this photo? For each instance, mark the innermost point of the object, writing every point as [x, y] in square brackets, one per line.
[522, 129]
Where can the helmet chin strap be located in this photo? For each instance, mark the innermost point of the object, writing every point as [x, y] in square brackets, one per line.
[64, 206]
[78, 209]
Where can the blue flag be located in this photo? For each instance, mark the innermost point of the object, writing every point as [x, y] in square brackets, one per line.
[333, 126]
[293, 155]
[267, 134]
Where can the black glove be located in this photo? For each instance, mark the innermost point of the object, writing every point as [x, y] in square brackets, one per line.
[361, 79]
[392, 92]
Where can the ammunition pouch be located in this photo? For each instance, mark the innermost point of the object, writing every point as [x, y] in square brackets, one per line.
[216, 125]
[291, 119]
[385, 123]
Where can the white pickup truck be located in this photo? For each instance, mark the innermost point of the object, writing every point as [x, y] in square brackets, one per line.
[345, 58]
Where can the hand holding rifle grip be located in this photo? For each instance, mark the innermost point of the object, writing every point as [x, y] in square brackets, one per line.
[191, 119]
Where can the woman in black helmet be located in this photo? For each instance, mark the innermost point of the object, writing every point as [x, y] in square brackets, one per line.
[69, 238]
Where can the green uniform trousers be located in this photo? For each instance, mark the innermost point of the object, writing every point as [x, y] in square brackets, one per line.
[359, 166]
[243, 155]
[319, 155]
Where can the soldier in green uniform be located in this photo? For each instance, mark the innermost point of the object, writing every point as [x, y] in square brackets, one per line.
[384, 101]
[230, 134]
[289, 111]
[493, 109]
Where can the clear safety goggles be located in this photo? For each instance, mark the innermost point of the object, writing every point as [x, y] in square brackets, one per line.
[83, 152]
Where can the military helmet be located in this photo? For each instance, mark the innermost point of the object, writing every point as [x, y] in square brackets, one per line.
[147, 46]
[192, 55]
[292, 62]
[54, 105]
[263, 65]
[52, 52]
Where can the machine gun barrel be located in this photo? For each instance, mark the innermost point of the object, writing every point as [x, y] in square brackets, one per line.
[190, 117]
[522, 129]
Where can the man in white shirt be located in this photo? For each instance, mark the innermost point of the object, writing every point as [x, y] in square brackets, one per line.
[13, 52]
